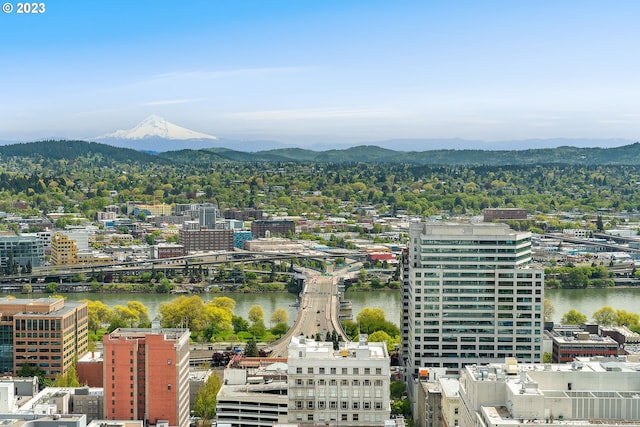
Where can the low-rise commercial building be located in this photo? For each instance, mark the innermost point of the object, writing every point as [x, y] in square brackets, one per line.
[349, 386]
[583, 393]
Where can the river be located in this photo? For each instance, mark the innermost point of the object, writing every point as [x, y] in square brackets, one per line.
[585, 301]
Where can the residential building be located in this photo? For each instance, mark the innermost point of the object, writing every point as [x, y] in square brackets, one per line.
[146, 375]
[46, 333]
[272, 228]
[583, 393]
[470, 296]
[24, 250]
[347, 387]
[206, 240]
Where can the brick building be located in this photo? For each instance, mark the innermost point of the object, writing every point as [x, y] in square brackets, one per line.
[206, 240]
[146, 375]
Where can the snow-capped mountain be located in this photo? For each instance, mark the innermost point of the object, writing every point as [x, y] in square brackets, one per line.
[156, 134]
[156, 126]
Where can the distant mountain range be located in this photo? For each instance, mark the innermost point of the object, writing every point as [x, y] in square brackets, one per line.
[625, 155]
[157, 135]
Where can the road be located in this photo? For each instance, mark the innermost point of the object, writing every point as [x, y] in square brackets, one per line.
[318, 311]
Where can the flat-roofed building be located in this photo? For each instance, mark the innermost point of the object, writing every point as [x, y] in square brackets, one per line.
[48, 334]
[347, 387]
[470, 295]
[146, 375]
[23, 250]
[583, 393]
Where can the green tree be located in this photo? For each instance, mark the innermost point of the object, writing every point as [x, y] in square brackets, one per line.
[280, 329]
[548, 309]
[251, 349]
[206, 399]
[239, 324]
[98, 314]
[258, 329]
[68, 379]
[397, 389]
[279, 315]
[256, 314]
[605, 316]
[624, 318]
[547, 357]
[573, 317]
[51, 288]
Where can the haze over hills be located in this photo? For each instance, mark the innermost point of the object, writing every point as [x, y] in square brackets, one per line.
[155, 134]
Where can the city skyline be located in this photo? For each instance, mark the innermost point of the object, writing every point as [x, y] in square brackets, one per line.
[309, 72]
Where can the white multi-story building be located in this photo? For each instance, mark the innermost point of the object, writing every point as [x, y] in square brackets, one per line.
[254, 393]
[346, 387]
[583, 393]
[470, 296]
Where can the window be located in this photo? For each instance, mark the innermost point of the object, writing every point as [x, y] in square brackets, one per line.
[356, 382]
[298, 404]
[321, 382]
[298, 370]
[332, 382]
[367, 371]
[168, 386]
[355, 417]
[378, 383]
[309, 417]
[310, 404]
[299, 381]
[344, 405]
[332, 405]
[309, 370]
[321, 404]
[321, 370]
[356, 371]
[344, 417]
[378, 371]
[366, 405]
[309, 382]
[333, 371]
[378, 405]
[344, 371]
[356, 405]
[168, 361]
[344, 382]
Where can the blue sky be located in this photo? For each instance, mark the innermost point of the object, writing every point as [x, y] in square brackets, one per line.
[302, 71]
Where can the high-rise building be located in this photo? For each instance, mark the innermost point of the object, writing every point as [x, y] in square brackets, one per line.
[347, 387]
[470, 296]
[207, 216]
[48, 334]
[146, 375]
